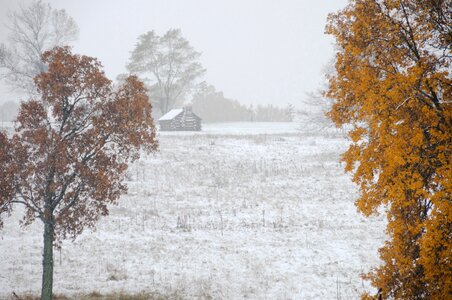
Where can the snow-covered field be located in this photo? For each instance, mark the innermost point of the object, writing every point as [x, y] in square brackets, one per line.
[257, 211]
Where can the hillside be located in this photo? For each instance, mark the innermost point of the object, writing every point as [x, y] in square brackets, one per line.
[260, 212]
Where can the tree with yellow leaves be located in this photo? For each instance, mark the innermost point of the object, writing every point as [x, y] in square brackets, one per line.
[393, 83]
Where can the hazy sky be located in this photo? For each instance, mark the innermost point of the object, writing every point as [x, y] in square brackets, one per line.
[254, 51]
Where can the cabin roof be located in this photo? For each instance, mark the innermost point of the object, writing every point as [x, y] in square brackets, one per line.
[171, 114]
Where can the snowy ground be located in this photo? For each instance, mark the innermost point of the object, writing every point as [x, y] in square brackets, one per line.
[233, 212]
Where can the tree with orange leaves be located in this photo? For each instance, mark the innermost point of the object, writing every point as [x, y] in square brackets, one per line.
[393, 83]
[66, 161]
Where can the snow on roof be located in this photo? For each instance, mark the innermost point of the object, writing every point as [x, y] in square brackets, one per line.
[171, 114]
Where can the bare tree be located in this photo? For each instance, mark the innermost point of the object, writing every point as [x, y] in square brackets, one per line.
[171, 62]
[33, 30]
[316, 105]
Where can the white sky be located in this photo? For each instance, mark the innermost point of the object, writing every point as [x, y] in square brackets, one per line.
[255, 51]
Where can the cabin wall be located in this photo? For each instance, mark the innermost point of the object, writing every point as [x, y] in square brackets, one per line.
[186, 121]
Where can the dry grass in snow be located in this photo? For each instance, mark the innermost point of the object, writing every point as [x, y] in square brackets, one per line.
[226, 214]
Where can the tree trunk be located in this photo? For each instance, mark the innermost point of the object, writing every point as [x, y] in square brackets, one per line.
[167, 108]
[47, 262]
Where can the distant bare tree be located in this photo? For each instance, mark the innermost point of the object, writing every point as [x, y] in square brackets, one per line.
[315, 105]
[171, 62]
[33, 30]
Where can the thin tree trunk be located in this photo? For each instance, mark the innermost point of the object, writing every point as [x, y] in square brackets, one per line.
[47, 262]
[167, 108]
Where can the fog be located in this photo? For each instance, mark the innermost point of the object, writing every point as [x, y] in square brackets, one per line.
[257, 52]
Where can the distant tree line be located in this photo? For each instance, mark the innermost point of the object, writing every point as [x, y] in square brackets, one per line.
[271, 113]
[213, 106]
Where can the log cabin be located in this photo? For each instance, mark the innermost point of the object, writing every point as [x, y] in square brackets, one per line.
[180, 119]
